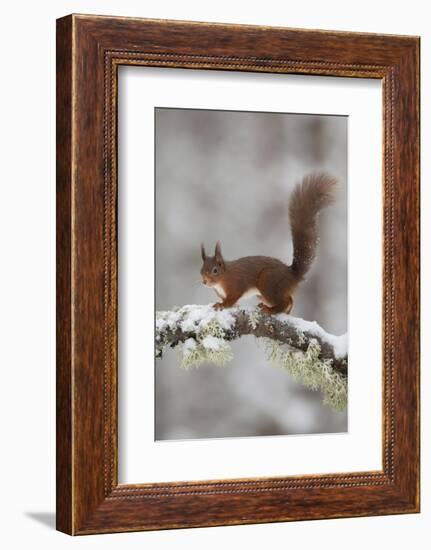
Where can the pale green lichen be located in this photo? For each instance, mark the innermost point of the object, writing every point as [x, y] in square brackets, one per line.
[210, 346]
[212, 328]
[312, 371]
[301, 337]
[208, 327]
[254, 318]
[204, 351]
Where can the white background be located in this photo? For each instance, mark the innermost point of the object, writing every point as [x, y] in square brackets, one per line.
[141, 458]
[27, 406]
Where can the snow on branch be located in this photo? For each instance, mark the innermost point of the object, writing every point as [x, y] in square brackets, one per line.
[303, 348]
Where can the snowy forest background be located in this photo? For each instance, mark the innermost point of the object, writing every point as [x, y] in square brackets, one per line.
[227, 176]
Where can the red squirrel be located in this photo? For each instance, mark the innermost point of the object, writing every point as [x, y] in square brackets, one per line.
[270, 279]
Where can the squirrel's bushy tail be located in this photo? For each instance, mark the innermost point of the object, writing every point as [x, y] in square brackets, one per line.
[316, 191]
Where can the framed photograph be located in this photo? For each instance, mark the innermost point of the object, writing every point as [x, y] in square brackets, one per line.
[237, 274]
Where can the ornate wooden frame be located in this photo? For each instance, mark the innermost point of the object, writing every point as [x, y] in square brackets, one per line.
[89, 51]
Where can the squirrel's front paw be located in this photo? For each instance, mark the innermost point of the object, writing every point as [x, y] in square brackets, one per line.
[218, 306]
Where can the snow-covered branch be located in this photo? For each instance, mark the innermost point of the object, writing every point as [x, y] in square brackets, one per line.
[190, 322]
[316, 358]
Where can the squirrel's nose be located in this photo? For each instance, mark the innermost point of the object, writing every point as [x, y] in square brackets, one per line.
[204, 281]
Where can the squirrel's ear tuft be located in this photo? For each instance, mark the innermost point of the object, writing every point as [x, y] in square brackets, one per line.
[218, 253]
[203, 254]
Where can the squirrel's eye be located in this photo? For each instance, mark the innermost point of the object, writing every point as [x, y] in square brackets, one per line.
[215, 271]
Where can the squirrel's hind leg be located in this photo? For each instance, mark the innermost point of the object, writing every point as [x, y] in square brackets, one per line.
[289, 305]
[263, 302]
[275, 286]
[282, 307]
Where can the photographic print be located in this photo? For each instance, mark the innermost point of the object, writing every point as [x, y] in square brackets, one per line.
[251, 273]
[221, 311]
